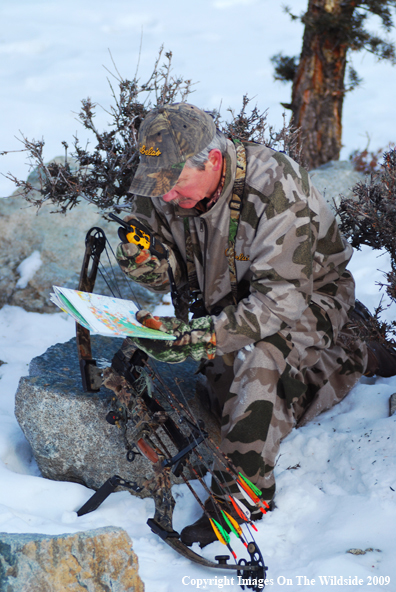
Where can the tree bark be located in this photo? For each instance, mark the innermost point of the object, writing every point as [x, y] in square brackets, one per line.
[318, 87]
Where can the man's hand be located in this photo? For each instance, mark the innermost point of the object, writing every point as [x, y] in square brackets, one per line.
[141, 266]
[196, 339]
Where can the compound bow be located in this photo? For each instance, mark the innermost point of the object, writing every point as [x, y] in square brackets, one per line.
[167, 434]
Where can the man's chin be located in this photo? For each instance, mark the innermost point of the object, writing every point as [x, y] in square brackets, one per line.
[183, 202]
[187, 204]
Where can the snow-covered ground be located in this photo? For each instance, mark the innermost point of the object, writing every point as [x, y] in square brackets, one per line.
[336, 480]
[336, 477]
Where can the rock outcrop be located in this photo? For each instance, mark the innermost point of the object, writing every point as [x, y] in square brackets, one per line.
[92, 561]
[336, 178]
[66, 427]
[57, 243]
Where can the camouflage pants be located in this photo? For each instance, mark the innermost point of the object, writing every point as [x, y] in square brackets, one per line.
[263, 391]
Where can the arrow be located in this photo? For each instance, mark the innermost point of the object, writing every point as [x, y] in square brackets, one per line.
[234, 526]
[222, 535]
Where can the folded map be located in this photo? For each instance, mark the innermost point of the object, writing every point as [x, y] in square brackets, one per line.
[104, 315]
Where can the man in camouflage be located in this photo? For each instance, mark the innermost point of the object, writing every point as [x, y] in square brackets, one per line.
[256, 245]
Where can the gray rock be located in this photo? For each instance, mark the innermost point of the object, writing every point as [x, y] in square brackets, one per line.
[60, 241]
[335, 178]
[66, 428]
[95, 560]
[392, 404]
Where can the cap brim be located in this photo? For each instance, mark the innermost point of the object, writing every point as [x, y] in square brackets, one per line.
[155, 182]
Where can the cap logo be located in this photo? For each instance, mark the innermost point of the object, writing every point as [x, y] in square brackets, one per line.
[150, 151]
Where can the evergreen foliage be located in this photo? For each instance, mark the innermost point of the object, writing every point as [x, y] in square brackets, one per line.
[349, 26]
[285, 67]
[321, 76]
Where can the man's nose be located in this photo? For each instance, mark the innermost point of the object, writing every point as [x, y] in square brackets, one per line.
[172, 194]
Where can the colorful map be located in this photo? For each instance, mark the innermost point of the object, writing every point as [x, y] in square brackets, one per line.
[104, 315]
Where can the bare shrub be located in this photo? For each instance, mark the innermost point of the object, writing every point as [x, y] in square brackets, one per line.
[104, 173]
[369, 218]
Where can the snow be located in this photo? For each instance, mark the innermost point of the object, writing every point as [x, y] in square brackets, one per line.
[336, 481]
[27, 268]
[336, 477]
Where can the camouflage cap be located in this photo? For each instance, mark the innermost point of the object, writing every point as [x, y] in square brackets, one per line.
[168, 136]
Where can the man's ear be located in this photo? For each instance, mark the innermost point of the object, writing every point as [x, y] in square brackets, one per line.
[215, 159]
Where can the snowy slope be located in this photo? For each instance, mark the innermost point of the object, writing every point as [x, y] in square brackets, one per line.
[336, 482]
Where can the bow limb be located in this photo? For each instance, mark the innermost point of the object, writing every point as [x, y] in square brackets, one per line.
[253, 569]
[95, 242]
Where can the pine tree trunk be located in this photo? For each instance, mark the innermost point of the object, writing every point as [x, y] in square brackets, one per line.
[318, 87]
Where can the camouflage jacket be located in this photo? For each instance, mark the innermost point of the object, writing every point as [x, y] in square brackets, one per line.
[288, 250]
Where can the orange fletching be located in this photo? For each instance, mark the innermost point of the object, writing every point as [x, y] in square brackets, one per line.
[234, 523]
[244, 514]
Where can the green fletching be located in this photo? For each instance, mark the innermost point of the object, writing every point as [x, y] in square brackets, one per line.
[222, 531]
[229, 524]
[255, 489]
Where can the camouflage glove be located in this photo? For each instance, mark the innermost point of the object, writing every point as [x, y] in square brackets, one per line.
[195, 339]
[141, 266]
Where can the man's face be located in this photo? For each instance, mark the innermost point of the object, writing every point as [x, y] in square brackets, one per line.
[193, 184]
